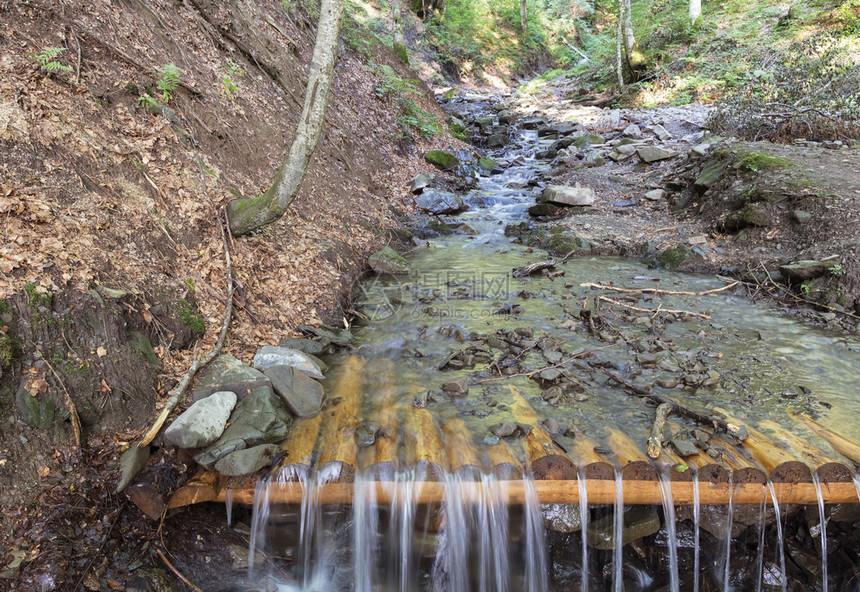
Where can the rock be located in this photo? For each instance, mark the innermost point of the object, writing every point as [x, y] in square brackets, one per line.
[676, 257]
[146, 497]
[442, 159]
[457, 387]
[549, 374]
[700, 149]
[699, 239]
[561, 517]
[711, 173]
[639, 522]
[130, 464]
[655, 195]
[568, 196]
[270, 355]
[752, 214]
[545, 209]
[583, 140]
[419, 182]
[489, 165]
[241, 555]
[801, 217]
[504, 429]
[497, 141]
[594, 159]
[203, 422]
[684, 448]
[805, 270]
[651, 154]
[335, 335]
[308, 346]
[261, 418]
[366, 433]
[247, 461]
[632, 131]
[226, 373]
[662, 134]
[387, 260]
[141, 343]
[302, 394]
[438, 202]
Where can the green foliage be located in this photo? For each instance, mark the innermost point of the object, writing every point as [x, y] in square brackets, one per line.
[148, 102]
[190, 315]
[231, 72]
[168, 80]
[35, 298]
[398, 91]
[46, 59]
[836, 269]
[10, 350]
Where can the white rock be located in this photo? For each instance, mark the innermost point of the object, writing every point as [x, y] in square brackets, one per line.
[655, 195]
[270, 355]
[202, 423]
[568, 196]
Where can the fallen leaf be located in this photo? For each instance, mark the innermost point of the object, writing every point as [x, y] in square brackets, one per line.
[102, 352]
[44, 471]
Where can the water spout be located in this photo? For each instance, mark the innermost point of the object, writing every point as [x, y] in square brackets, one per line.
[583, 517]
[780, 540]
[672, 538]
[823, 534]
[697, 511]
[618, 533]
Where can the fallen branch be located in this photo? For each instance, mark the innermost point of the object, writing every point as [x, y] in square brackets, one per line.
[532, 268]
[176, 572]
[788, 292]
[657, 310]
[658, 291]
[655, 438]
[70, 405]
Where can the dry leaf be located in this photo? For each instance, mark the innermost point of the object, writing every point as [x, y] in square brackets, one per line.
[44, 471]
[102, 352]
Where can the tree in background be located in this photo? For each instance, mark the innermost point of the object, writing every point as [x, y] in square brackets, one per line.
[695, 10]
[524, 17]
[246, 215]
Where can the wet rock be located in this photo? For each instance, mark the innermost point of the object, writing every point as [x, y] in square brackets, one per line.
[241, 556]
[308, 346]
[647, 360]
[550, 424]
[146, 497]
[327, 334]
[457, 387]
[561, 517]
[568, 196]
[497, 141]
[302, 394]
[684, 448]
[130, 464]
[805, 270]
[639, 522]
[419, 182]
[553, 395]
[442, 159]
[667, 383]
[504, 429]
[651, 154]
[247, 461]
[654, 195]
[261, 418]
[549, 374]
[439, 202]
[226, 373]
[366, 433]
[488, 165]
[270, 355]
[387, 260]
[203, 422]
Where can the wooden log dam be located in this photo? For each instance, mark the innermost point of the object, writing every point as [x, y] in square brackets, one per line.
[412, 438]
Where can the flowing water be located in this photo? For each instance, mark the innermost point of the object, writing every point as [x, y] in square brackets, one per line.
[780, 540]
[822, 531]
[432, 327]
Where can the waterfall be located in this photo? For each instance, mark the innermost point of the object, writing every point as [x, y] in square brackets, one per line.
[671, 536]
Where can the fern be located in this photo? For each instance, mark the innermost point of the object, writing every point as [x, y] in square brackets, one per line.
[168, 80]
[46, 59]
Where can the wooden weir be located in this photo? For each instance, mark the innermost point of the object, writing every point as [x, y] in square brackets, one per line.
[411, 438]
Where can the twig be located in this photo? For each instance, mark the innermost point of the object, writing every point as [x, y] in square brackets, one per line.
[99, 550]
[655, 438]
[788, 292]
[176, 572]
[78, 70]
[70, 405]
[659, 310]
[658, 291]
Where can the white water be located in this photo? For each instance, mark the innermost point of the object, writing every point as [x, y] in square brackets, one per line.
[537, 572]
[762, 523]
[780, 540]
[228, 505]
[823, 533]
[583, 517]
[726, 586]
[364, 532]
[672, 537]
[618, 534]
[697, 511]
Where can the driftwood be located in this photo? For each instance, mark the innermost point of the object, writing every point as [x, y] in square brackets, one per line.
[657, 290]
[655, 438]
[533, 268]
[655, 311]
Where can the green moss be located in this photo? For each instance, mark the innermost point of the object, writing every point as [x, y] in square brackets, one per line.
[35, 299]
[674, 257]
[442, 159]
[440, 227]
[755, 161]
[559, 243]
[10, 349]
[190, 315]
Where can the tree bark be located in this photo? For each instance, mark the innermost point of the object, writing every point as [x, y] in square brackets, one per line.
[524, 17]
[618, 46]
[397, 21]
[246, 215]
[695, 10]
[627, 28]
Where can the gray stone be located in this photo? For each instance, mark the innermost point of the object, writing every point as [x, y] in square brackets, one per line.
[561, 517]
[261, 418]
[700, 149]
[302, 394]
[202, 423]
[141, 343]
[800, 216]
[805, 270]
[329, 334]
[639, 522]
[419, 182]
[626, 149]
[651, 154]
[594, 159]
[387, 260]
[568, 196]
[438, 202]
[130, 464]
[442, 159]
[684, 447]
[655, 195]
[308, 346]
[581, 140]
[226, 373]
[271, 355]
[661, 132]
[497, 141]
[247, 461]
[457, 387]
[632, 131]
[241, 554]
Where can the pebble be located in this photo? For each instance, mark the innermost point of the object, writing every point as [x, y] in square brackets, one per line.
[457, 387]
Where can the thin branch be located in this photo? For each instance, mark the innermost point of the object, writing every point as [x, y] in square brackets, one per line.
[70, 405]
[657, 311]
[176, 572]
[658, 291]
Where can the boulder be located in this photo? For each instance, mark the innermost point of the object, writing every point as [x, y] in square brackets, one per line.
[802, 271]
[442, 159]
[583, 140]
[651, 154]
[544, 209]
[247, 461]
[419, 182]
[387, 260]
[568, 196]
[661, 132]
[203, 423]
[497, 141]
[488, 165]
[632, 131]
[639, 522]
[261, 418]
[226, 373]
[271, 355]
[302, 394]
[438, 202]
[561, 517]
[655, 195]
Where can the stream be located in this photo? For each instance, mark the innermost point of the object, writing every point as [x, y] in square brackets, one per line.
[463, 338]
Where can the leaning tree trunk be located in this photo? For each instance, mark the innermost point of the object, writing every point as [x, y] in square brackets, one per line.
[246, 215]
[397, 21]
[618, 45]
[524, 17]
[695, 10]
[627, 28]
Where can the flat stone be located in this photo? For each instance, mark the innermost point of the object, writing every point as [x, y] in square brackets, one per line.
[805, 270]
[655, 195]
[626, 149]
[130, 464]
[387, 260]
[226, 373]
[632, 131]
[568, 196]
[651, 154]
[697, 240]
[549, 374]
[203, 422]
[684, 448]
[457, 387]
[561, 517]
[661, 132]
[639, 522]
[439, 202]
[308, 346]
[146, 497]
[247, 461]
[419, 182]
[241, 555]
[261, 418]
[302, 394]
[271, 355]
